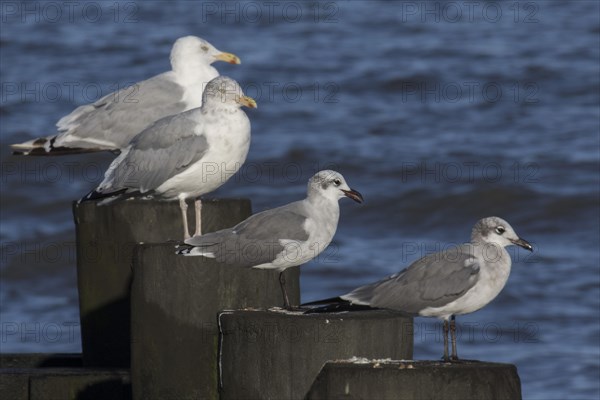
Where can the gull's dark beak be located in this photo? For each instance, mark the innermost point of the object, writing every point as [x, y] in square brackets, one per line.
[522, 243]
[353, 194]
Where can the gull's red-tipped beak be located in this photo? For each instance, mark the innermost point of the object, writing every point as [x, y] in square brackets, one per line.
[228, 58]
[354, 195]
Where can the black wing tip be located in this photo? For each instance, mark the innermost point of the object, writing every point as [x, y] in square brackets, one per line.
[330, 300]
[183, 249]
[334, 305]
[338, 308]
[59, 151]
[95, 195]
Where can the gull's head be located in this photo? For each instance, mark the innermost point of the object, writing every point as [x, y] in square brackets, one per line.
[194, 51]
[331, 185]
[497, 231]
[223, 91]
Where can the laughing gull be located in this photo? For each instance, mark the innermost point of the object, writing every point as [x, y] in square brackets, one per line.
[456, 281]
[283, 237]
[185, 155]
[111, 122]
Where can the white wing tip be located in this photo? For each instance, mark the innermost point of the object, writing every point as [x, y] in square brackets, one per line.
[39, 143]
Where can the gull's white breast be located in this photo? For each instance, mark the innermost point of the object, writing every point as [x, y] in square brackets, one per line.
[228, 145]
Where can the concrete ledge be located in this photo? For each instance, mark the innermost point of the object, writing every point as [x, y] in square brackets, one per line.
[36, 360]
[64, 383]
[106, 237]
[13, 386]
[16, 369]
[175, 302]
[277, 354]
[416, 380]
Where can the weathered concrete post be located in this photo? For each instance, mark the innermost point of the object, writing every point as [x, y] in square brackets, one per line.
[278, 354]
[106, 236]
[390, 380]
[175, 303]
[46, 376]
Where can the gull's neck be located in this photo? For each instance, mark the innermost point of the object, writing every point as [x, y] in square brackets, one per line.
[324, 213]
[193, 75]
[212, 107]
[323, 205]
[193, 70]
[493, 257]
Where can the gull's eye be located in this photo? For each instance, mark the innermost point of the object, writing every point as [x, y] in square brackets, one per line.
[204, 48]
[337, 182]
[500, 230]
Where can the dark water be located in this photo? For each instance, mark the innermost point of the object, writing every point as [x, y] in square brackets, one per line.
[440, 113]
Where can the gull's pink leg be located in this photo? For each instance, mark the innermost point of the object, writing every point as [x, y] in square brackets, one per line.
[198, 209]
[183, 206]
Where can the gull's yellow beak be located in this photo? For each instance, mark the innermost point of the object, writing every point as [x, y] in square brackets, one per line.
[229, 58]
[247, 101]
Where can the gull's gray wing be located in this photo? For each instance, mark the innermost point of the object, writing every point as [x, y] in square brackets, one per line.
[112, 121]
[432, 281]
[160, 152]
[285, 222]
[256, 240]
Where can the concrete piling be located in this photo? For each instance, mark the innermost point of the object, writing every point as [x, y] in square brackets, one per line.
[106, 236]
[383, 379]
[276, 354]
[175, 303]
[59, 376]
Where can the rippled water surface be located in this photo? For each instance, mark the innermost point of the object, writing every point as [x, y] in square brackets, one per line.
[440, 113]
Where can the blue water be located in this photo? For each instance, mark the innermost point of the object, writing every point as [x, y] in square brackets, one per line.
[440, 113]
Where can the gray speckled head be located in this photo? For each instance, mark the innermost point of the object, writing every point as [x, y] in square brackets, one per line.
[331, 184]
[323, 179]
[224, 91]
[497, 231]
